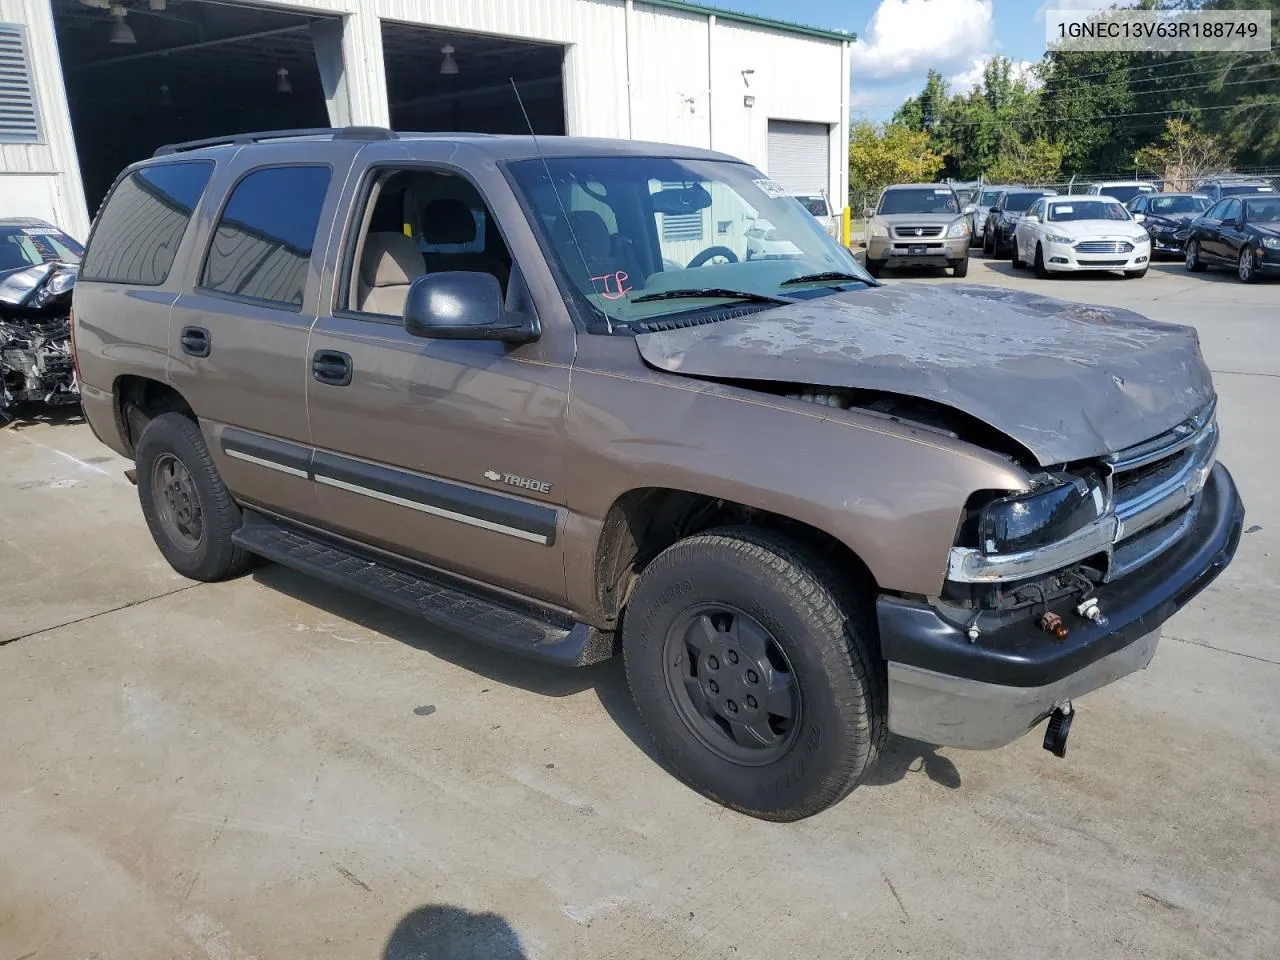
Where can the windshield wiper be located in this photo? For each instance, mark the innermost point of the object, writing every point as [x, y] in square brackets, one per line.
[818, 277]
[698, 293]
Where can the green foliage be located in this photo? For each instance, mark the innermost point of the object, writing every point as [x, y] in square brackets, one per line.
[1106, 112]
[879, 156]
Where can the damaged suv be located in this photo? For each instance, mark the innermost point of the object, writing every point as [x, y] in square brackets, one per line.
[38, 264]
[534, 392]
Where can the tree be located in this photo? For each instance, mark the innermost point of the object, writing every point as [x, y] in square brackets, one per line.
[1036, 161]
[1183, 156]
[879, 156]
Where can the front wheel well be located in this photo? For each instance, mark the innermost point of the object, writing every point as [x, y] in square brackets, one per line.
[642, 523]
[139, 400]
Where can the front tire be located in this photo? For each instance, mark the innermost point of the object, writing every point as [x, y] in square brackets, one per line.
[1193, 261]
[1017, 262]
[187, 507]
[874, 266]
[1246, 268]
[961, 269]
[1135, 274]
[753, 666]
[988, 250]
[1041, 270]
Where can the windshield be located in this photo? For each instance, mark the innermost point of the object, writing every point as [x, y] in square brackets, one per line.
[1264, 210]
[919, 200]
[630, 231]
[1017, 202]
[1087, 210]
[815, 204]
[989, 198]
[1236, 190]
[966, 194]
[26, 246]
[1175, 204]
[1124, 194]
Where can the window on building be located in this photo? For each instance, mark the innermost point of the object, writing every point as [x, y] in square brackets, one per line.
[262, 246]
[680, 226]
[19, 119]
[140, 226]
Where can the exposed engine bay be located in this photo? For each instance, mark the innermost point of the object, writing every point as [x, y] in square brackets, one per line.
[36, 362]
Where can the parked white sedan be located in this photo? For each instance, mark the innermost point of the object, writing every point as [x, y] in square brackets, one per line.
[1064, 234]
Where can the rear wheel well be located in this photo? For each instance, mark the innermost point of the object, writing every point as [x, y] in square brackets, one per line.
[642, 523]
[141, 399]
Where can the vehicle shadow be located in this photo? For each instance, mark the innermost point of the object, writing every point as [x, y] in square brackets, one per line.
[500, 666]
[441, 932]
[26, 415]
[902, 757]
[1212, 274]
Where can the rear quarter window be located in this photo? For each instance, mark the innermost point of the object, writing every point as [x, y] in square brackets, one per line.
[138, 231]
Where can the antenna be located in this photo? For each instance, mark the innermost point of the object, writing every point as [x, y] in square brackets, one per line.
[546, 167]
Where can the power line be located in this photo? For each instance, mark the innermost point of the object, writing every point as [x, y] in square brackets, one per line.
[1105, 116]
[1147, 66]
[1206, 86]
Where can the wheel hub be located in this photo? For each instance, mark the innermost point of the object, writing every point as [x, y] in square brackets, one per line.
[178, 502]
[732, 684]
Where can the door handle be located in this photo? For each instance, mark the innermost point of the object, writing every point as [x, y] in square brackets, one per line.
[331, 367]
[195, 341]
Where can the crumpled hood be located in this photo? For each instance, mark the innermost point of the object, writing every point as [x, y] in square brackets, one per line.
[1068, 381]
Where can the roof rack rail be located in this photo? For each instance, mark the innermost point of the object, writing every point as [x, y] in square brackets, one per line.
[242, 139]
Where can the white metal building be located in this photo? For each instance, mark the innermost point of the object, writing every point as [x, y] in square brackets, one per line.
[87, 86]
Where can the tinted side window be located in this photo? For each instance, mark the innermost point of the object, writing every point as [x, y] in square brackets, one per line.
[138, 232]
[1230, 210]
[262, 246]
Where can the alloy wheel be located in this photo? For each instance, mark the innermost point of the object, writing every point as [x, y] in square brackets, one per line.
[1245, 267]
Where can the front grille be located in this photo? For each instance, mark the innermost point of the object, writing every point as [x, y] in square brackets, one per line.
[924, 246]
[1104, 263]
[1154, 484]
[908, 232]
[1104, 246]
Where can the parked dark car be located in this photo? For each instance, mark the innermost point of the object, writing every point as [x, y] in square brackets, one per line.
[997, 235]
[1223, 187]
[1167, 217]
[1239, 232]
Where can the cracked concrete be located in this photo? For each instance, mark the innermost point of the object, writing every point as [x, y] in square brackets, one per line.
[267, 768]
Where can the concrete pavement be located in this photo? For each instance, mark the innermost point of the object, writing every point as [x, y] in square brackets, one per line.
[265, 768]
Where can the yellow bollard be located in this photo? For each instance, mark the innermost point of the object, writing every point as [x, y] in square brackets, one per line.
[847, 230]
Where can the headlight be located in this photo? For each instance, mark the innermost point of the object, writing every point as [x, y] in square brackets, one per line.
[1056, 238]
[1142, 237]
[879, 229]
[1271, 243]
[959, 229]
[1026, 521]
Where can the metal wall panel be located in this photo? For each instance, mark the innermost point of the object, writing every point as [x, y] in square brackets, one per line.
[670, 78]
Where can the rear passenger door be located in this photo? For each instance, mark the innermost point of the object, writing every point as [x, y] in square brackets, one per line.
[238, 334]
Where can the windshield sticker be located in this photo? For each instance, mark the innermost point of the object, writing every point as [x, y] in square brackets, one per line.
[1062, 208]
[770, 189]
[615, 285]
[942, 193]
[40, 231]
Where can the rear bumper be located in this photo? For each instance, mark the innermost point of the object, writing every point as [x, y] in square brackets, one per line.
[944, 689]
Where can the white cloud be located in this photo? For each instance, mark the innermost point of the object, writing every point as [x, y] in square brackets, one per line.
[906, 37]
[968, 79]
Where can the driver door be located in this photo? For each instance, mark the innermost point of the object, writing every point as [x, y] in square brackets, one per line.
[1217, 243]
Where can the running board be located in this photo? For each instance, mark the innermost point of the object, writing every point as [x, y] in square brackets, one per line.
[443, 603]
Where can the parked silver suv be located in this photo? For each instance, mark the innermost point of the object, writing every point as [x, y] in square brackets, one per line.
[919, 225]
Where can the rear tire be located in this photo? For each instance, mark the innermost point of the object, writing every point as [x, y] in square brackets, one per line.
[1038, 265]
[187, 507]
[692, 638]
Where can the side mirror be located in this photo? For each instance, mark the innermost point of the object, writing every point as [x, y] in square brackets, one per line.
[463, 305]
[1139, 217]
[971, 208]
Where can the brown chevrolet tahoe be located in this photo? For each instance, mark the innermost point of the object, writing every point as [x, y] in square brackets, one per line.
[538, 393]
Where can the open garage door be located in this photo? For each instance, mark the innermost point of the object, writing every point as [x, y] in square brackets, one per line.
[450, 80]
[140, 74]
[800, 156]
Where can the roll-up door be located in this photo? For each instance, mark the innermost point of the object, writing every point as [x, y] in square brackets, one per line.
[800, 155]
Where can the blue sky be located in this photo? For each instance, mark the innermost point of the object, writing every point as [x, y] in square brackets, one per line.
[899, 40]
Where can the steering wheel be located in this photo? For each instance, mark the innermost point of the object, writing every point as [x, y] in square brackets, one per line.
[710, 254]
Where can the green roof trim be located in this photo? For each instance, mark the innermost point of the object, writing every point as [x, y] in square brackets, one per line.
[751, 19]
